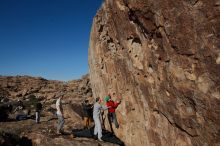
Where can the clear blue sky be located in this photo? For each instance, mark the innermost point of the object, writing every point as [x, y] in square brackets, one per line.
[47, 38]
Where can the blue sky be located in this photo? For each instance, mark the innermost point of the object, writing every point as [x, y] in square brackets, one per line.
[47, 38]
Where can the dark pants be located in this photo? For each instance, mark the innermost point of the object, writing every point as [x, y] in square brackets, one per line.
[113, 119]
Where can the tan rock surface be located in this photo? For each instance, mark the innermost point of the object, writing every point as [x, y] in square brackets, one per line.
[162, 58]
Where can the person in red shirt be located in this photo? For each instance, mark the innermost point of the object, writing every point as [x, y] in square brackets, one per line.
[111, 111]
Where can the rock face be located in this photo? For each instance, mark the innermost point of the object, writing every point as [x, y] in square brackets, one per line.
[162, 58]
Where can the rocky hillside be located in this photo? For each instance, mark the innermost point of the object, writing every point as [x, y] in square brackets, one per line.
[30, 90]
[162, 57]
[22, 87]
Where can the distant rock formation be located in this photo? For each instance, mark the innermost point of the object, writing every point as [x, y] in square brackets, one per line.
[162, 57]
[22, 87]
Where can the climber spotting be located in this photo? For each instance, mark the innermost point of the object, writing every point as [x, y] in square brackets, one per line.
[96, 117]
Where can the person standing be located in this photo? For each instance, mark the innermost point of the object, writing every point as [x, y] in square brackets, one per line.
[87, 113]
[96, 117]
[111, 111]
[59, 113]
[38, 111]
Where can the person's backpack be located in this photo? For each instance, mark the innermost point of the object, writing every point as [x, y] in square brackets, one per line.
[21, 117]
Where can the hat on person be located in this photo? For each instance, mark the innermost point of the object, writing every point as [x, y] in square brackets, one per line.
[97, 99]
[107, 98]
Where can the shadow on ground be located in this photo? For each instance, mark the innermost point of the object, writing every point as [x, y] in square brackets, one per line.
[9, 139]
[106, 135]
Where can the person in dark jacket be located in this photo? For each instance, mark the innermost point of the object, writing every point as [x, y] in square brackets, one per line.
[38, 110]
[87, 113]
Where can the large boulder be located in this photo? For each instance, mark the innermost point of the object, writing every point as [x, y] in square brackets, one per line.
[162, 58]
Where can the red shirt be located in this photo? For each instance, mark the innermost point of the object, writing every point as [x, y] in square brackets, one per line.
[113, 105]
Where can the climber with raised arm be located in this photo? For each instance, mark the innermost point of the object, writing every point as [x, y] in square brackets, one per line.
[111, 111]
